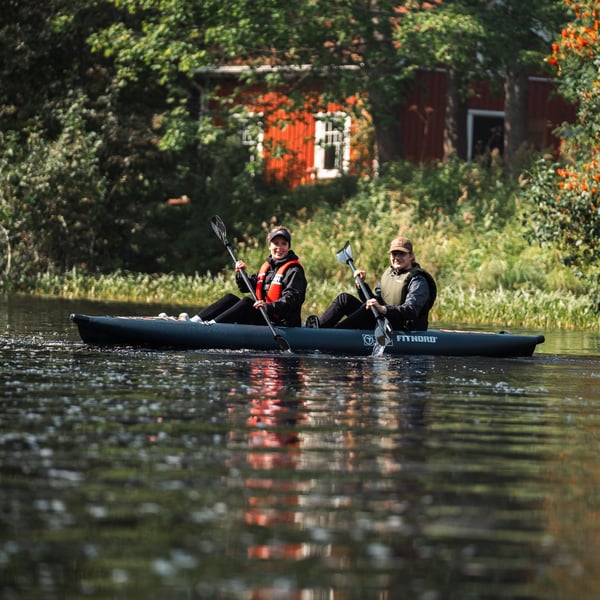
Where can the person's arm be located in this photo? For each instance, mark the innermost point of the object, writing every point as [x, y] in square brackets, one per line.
[239, 266]
[416, 299]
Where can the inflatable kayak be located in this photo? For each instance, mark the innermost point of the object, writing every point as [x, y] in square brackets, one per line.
[157, 332]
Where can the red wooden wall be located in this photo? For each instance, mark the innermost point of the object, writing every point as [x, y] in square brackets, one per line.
[422, 123]
[422, 120]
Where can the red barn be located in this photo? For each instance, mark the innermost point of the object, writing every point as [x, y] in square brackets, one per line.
[309, 144]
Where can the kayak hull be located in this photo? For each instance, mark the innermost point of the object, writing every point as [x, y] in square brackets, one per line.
[157, 332]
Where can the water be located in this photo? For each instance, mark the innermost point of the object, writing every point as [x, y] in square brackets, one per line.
[136, 474]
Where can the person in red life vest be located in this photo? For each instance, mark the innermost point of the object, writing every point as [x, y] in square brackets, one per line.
[404, 295]
[279, 285]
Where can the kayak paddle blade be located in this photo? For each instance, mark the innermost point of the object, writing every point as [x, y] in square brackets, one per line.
[383, 332]
[219, 228]
[282, 343]
[345, 254]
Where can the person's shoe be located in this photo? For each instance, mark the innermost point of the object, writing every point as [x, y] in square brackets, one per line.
[163, 315]
[183, 317]
[312, 321]
[196, 319]
[211, 322]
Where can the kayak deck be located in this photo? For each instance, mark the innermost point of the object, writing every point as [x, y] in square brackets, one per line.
[157, 332]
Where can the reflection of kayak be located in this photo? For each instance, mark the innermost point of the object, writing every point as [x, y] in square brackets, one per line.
[156, 332]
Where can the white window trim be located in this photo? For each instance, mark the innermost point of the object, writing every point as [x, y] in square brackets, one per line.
[319, 157]
[255, 145]
[471, 114]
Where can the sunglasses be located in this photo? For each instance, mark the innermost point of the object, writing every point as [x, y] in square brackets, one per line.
[398, 253]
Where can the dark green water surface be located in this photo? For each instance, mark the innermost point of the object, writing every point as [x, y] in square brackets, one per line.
[136, 474]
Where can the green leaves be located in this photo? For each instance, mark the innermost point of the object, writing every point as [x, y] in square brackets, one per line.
[566, 194]
[53, 195]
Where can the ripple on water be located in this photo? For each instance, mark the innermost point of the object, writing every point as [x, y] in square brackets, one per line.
[142, 473]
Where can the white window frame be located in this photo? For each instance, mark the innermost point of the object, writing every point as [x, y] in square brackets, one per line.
[471, 114]
[252, 137]
[324, 132]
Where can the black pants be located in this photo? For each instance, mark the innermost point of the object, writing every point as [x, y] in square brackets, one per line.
[231, 309]
[347, 305]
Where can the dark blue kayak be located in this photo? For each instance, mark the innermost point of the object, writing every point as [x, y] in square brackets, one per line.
[157, 332]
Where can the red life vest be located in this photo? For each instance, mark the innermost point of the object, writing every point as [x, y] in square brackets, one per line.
[274, 292]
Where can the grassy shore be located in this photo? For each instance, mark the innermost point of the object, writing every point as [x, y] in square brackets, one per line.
[535, 309]
[468, 227]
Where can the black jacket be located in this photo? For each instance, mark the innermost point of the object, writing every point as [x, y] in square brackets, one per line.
[418, 296]
[287, 310]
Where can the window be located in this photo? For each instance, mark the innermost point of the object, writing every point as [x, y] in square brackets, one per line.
[332, 144]
[251, 131]
[485, 132]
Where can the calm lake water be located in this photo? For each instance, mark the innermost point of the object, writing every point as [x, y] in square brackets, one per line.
[138, 474]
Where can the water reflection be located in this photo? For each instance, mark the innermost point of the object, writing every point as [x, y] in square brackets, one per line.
[377, 469]
[272, 412]
[132, 474]
[324, 447]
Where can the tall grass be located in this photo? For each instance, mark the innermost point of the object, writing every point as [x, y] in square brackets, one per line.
[472, 240]
[530, 308]
[516, 308]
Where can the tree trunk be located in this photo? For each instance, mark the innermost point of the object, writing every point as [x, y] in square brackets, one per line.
[516, 86]
[455, 118]
[386, 123]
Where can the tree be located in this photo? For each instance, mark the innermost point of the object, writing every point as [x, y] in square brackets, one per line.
[566, 195]
[50, 187]
[518, 36]
[350, 47]
[83, 181]
[447, 36]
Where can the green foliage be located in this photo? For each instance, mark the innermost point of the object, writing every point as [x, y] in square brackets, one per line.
[564, 196]
[456, 190]
[101, 123]
[448, 35]
[51, 196]
[566, 218]
[485, 258]
[518, 32]
[533, 309]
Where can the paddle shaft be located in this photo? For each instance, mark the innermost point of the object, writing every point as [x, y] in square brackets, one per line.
[219, 228]
[383, 329]
[364, 289]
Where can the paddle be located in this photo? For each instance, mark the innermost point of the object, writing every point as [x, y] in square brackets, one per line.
[219, 228]
[383, 329]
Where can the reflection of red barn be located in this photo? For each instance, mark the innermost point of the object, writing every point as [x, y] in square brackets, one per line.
[323, 145]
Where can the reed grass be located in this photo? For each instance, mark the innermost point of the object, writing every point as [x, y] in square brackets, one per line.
[487, 272]
[534, 308]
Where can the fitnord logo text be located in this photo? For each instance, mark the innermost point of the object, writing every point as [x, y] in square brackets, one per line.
[423, 339]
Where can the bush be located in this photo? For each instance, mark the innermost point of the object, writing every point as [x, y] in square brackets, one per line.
[51, 197]
[564, 197]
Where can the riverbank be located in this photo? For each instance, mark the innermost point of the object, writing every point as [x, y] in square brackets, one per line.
[534, 309]
[488, 265]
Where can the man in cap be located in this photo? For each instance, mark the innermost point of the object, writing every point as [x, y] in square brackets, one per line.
[404, 295]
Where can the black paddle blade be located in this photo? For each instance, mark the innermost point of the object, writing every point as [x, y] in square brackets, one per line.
[282, 343]
[219, 228]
